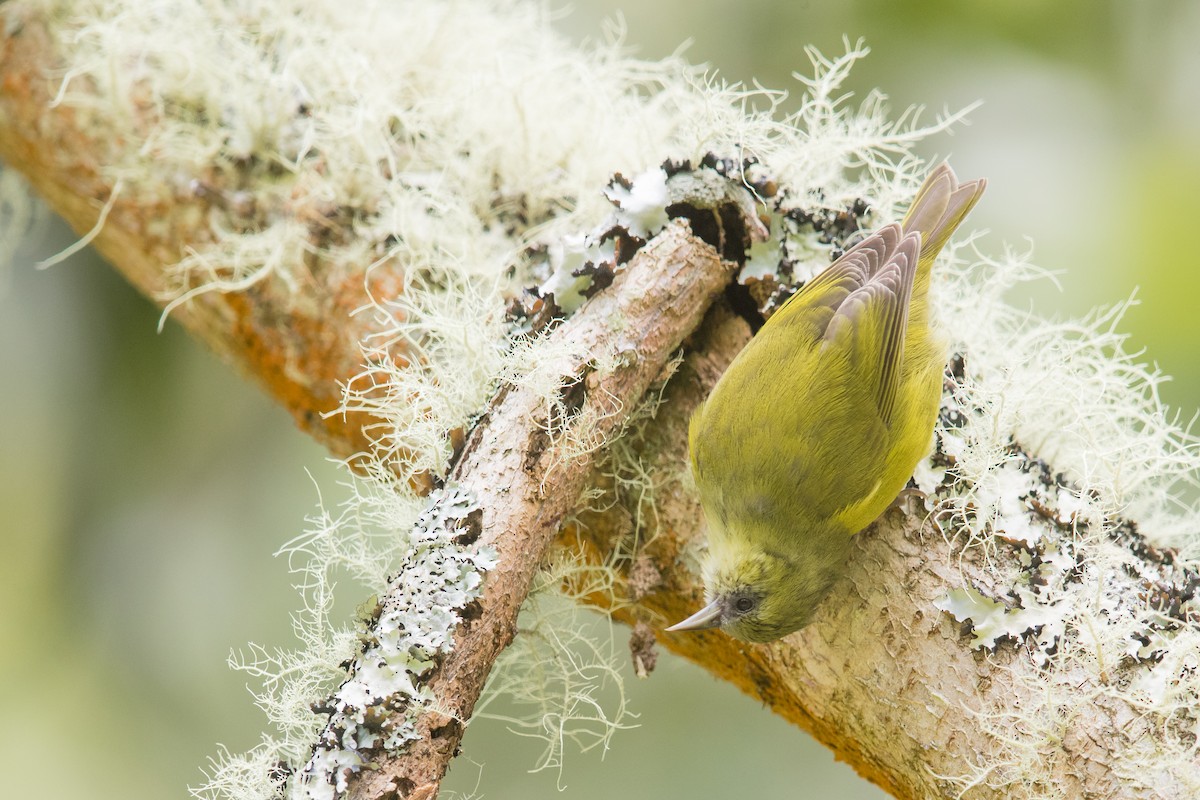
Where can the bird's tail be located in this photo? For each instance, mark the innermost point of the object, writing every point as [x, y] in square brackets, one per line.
[940, 205]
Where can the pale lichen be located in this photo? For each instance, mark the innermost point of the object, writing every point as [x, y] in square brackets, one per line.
[375, 708]
[562, 674]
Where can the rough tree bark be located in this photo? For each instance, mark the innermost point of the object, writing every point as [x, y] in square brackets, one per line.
[880, 677]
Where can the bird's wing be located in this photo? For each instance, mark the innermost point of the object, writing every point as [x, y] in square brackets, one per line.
[818, 300]
[859, 306]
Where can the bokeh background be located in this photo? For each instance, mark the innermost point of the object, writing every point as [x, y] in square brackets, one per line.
[144, 485]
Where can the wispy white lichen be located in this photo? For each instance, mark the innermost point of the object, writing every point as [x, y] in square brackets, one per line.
[359, 541]
[331, 719]
[562, 675]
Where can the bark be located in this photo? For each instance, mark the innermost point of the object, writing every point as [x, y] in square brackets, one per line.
[881, 677]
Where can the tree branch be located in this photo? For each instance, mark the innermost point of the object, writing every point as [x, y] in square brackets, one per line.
[517, 473]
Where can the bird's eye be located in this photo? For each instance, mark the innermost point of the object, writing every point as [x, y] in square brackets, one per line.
[744, 604]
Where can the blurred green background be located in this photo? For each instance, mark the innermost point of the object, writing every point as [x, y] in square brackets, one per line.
[144, 485]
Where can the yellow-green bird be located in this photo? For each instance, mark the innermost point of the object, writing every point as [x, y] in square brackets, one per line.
[819, 422]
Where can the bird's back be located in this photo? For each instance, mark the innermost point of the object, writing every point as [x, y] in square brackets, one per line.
[820, 420]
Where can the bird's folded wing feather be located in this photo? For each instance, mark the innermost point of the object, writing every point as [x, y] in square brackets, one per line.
[858, 308]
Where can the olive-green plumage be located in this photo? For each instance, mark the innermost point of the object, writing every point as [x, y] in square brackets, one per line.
[819, 422]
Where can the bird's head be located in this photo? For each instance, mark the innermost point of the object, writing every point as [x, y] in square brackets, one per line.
[757, 595]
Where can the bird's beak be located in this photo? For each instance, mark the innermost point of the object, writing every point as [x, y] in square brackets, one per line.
[707, 617]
